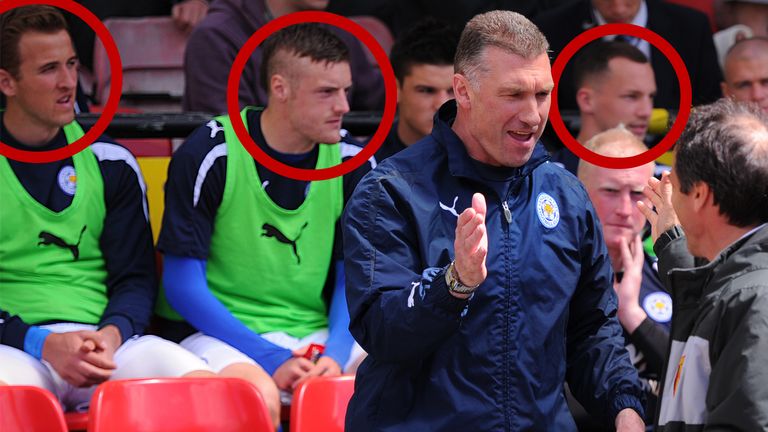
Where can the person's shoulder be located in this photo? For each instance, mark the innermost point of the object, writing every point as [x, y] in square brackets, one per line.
[420, 157]
[677, 13]
[203, 141]
[350, 147]
[564, 187]
[568, 11]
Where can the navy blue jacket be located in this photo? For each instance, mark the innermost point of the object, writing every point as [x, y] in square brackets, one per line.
[498, 361]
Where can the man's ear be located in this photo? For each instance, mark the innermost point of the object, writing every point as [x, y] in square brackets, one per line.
[462, 91]
[702, 196]
[279, 87]
[7, 83]
[399, 89]
[725, 89]
[585, 98]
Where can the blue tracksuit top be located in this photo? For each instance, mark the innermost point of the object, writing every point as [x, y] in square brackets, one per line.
[545, 314]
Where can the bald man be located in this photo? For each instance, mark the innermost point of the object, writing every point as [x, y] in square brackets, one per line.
[746, 72]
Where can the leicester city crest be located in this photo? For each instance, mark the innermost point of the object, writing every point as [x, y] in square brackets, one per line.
[546, 208]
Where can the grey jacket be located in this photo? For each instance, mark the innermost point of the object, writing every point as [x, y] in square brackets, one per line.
[716, 376]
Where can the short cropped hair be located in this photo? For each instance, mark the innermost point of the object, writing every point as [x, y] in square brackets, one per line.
[725, 145]
[20, 20]
[614, 142]
[302, 40]
[506, 30]
[430, 41]
[594, 58]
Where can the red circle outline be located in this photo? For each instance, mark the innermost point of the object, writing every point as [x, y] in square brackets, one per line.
[684, 109]
[114, 93]
[390, 89]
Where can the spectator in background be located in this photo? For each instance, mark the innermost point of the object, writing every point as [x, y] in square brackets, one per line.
[615, 86]
[77, 266]
[214, 44]
[752, 13]
[422, 59]
[645, 309]
[685, 29]
[746, 72]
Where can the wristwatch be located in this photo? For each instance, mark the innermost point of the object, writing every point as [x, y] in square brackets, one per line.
[453, 282]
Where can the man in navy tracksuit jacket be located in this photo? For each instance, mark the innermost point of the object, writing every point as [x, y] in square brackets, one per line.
[486, 341]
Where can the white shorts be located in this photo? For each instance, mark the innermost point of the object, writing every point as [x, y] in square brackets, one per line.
[219, 354]
[138, 357]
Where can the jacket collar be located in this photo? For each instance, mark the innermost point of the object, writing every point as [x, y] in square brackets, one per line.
[732, 261]
[460, 164]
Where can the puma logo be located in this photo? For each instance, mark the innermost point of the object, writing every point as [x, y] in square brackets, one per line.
[272, 231]
[47, 238]
[213, 125]
[451, 210]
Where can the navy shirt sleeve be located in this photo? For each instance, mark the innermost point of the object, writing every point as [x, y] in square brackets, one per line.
[126, 242]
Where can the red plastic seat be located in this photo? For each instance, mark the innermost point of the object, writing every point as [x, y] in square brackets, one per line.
[152, 55]
[320, 404]
[76, 421]
[178, 404]
[30, 409]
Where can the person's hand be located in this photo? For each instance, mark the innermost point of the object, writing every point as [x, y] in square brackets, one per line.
[289, 373]
[78, 357]
[631, 315]
[628, 420]
[325, 366]
[188, 13]
[660, 194]
[111, 341]
[471, 244]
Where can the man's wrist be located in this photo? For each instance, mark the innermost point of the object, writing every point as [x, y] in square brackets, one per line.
[666, 238]
[453, 281]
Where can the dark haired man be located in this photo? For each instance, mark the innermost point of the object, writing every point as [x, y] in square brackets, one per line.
[251, 257]
[714, 206]
[77, 269]
[422, 59]
[615, 86]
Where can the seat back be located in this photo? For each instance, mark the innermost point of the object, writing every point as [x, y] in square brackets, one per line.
[152, 55]
[30, 409]
[178, 404]
[320, 404]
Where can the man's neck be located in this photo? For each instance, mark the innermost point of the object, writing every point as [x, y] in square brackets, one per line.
[279, 8]
[407, 135]
[25, 131]
[718, 237]
[280, 136]
[587, 130]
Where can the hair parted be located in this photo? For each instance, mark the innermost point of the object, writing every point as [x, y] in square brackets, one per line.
[311, 40]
